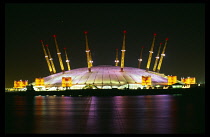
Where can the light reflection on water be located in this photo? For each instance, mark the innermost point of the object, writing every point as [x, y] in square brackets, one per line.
[149, 114]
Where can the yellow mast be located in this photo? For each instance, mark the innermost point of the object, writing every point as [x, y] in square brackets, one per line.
[46, 57]
[150, 53]
[67, 60]
[140, 59]
[59, 54]
[51, 60]
[91, 61]
[157, 57]
[116, 61]
[162, 55]
[87, 52]
[123, 52]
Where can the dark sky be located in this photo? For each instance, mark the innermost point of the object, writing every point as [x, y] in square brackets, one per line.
[27, 24]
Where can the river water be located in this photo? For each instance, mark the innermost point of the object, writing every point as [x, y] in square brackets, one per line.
[146, 114]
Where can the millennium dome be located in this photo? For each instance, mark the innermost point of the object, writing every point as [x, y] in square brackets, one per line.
[105, 77]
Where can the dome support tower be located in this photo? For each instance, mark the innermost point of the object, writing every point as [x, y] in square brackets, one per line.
[87, 52]
[91, 61]
[51, 60]
[59, 54]
[116, 61]
[162, 55]
[157, 57]
[46, 57]
[150, 53]
[140, 59]
[123, 53]
[67, 60]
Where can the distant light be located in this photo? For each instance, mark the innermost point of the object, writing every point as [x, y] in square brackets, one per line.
[67, 60]
[116, 49]
[124, 31]
[54, 35]
[64, 48]
[85, 32]
[157, 57]
[154, 34]
[58, 53]
[46, 45]
[41, 40]
[139, 59]
[142, 47]
[161, 43]
[151, 51]
[166, 38]
[123, 50]
[163, 54]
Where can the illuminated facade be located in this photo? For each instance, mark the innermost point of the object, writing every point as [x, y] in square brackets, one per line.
[188, 80]
[66, 82]
[20, 84]
[39, 82]
[172, 80]
[146, 80]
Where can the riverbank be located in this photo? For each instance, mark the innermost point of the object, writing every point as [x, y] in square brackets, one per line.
[111, 92]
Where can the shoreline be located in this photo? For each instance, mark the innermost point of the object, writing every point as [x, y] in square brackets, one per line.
[111, 92]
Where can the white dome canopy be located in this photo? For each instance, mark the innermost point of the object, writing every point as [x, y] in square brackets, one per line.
[105, 76]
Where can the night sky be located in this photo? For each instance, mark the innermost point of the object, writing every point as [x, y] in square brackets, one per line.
[27, 24]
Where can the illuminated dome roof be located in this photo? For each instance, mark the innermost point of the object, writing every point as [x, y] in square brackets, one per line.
[105, 76]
